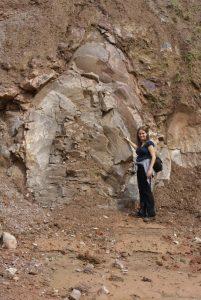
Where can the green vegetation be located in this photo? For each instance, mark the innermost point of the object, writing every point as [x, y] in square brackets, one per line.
[177, 9]
[192, 56]
[155, 102]
[177, 78]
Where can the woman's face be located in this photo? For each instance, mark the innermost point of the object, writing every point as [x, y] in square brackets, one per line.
[142, 135]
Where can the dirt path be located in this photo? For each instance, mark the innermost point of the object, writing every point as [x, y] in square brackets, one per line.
[88, 246]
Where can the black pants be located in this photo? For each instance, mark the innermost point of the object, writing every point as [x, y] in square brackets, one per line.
[147, 208]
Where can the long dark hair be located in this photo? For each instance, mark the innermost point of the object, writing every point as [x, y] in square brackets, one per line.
[144, 128]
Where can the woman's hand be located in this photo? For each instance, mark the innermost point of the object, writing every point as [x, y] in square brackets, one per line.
[130, 143]
[150, 172]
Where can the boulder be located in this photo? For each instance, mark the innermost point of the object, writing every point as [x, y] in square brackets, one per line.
[102, 59]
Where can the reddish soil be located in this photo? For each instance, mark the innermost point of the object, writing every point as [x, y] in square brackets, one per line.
[161, 259]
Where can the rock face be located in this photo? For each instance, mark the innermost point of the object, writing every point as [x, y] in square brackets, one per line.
[78, 121]
[75, 132]
[183, 138]
[71, 91]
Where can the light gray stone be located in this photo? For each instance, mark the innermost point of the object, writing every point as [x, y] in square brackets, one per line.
[107, 103]
[176, 157]
[182, 138]
[10, 272]
[75, 295]
[165, 156]
[166, 47]
[76, 110]
[9, 241]
[129, 193]
[103, 290]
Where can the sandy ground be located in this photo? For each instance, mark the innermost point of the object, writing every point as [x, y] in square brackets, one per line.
[89, 244]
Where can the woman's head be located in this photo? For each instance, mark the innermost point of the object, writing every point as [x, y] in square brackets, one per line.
[142, 135]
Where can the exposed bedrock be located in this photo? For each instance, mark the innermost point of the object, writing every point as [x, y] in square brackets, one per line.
[183, 138]
[75, 131]
[74, 137]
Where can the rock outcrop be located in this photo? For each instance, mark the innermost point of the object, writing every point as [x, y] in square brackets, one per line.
[67, 104]
[80, 120]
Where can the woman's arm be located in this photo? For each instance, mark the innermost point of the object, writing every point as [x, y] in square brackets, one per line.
[153, 158]
[131, 143]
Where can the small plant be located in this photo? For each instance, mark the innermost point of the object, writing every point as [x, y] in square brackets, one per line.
[192, 56]
[177, 9]
[189, 57]
[174, 3]
[177, 78]
[187, 17]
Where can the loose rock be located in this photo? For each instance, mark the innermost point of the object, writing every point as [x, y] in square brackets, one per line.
[89, 268]
[197, 240]
[118, 264]
[10, 272]
[75, 295]
[9, 241]
[146, 279]
[103, 290]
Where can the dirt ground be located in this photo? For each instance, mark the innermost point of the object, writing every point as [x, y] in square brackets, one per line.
[89, 244]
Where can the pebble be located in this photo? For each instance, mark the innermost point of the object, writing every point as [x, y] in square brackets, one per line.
[10, 272]
[103, 290]
[197, 240]
[9, 241]
[159, 263]
[75, 295]
[118, 264]
[146, 279]
[16, 278]
[89, 268]
[78, 270]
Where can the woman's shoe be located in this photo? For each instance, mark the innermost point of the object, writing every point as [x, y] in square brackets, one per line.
[140, 214]
[149, 219]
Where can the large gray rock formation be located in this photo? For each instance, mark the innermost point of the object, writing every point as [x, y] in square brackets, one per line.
[78, 124]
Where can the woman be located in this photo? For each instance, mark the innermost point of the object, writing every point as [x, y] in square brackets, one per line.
[146, 156]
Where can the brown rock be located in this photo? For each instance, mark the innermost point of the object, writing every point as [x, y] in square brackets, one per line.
[8, 93]
[37, 83]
